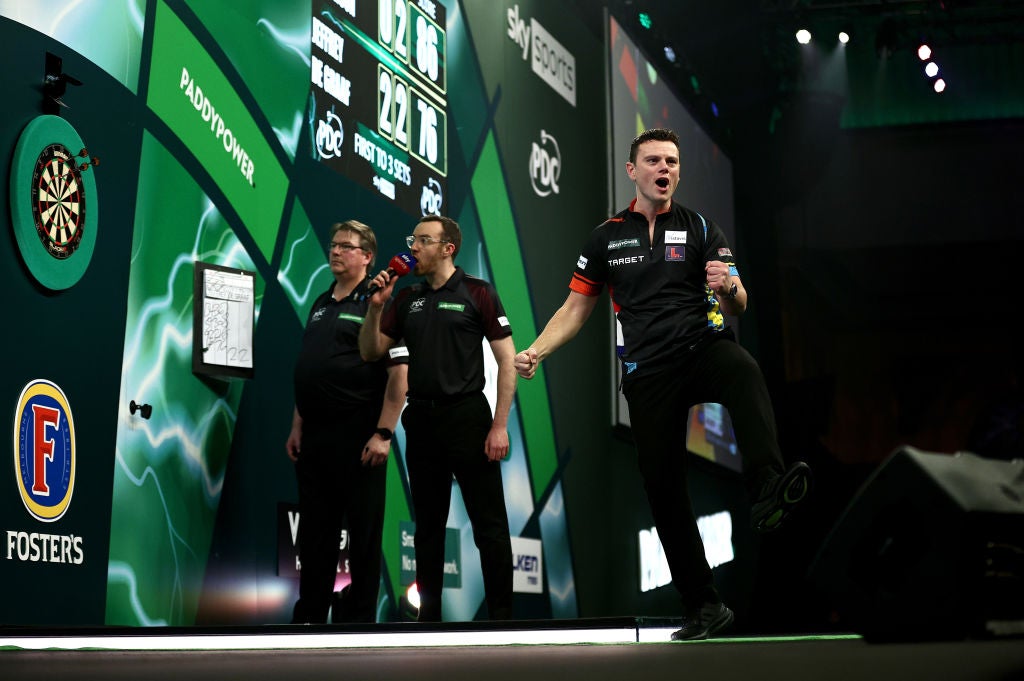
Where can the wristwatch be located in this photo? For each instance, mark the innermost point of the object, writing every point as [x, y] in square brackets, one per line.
[733, 291]
[385, 433]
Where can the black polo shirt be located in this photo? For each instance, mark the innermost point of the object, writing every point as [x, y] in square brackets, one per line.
[330, 377]
[659, 290]
[444, 331]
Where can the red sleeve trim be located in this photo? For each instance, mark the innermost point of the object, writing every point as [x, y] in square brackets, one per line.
[584, 286]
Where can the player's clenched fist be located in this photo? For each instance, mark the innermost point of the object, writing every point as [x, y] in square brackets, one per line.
[526, 363]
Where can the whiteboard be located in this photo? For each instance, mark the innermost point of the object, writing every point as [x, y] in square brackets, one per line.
[223, 314]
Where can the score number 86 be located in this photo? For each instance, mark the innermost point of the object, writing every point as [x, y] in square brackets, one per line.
[393, 21]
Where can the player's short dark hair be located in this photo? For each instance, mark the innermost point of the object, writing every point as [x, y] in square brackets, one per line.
[652, 135]
[450, 229]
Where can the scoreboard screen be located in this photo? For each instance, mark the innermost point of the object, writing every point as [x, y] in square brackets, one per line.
[378, 97]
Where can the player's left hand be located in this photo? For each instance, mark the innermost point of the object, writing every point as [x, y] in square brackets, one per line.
[718, 277]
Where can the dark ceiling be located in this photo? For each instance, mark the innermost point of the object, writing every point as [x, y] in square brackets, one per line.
[744, 57]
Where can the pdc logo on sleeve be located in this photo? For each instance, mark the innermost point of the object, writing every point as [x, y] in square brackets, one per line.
[44, 450]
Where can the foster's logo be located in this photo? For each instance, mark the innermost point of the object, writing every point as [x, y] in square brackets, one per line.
[44, 450]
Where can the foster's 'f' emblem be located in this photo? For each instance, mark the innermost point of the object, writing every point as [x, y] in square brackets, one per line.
[44, 450]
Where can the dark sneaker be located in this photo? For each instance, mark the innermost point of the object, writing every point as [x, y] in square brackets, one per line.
[779, 497]
[704, 623]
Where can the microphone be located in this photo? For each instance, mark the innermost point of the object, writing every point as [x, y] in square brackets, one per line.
[400, 266]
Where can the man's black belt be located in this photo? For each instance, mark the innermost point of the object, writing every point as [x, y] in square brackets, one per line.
[442, 401]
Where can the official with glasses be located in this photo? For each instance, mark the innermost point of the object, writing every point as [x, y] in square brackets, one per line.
[450, 430]
[345, 412]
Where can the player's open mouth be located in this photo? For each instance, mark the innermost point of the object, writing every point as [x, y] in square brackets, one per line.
[662, 182]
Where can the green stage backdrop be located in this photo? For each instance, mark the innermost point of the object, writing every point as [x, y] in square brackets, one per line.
[234, 134]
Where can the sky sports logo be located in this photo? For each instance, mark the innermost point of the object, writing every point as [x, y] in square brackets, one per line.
[554, 64]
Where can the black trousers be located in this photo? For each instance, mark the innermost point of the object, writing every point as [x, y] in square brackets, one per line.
[333, 485]
[443, 441]
[719, 371]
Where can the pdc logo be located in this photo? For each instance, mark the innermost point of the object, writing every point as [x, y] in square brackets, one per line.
[545, 165]
[431, 198]
[44, 450]
[330, 134]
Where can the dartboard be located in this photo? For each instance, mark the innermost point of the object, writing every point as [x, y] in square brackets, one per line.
[58, 201]
[54, 208]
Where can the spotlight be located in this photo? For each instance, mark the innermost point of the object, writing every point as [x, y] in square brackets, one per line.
[803, 36]
[714, 109]
[931, 69]
[940, 85]
[844, 37]
[670, 54]
[409, 603]
[645, 19]
[924, 53]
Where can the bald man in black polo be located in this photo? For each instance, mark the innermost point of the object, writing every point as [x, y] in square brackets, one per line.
[448, 423]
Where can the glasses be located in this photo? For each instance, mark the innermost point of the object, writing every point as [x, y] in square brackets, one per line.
[346, 247]
[423, 240]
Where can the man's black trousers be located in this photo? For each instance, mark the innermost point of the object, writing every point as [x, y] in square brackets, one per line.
[333, 485]
[446, 440]
[721, 371]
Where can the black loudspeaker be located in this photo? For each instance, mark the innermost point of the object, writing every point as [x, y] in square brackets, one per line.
[931, 547]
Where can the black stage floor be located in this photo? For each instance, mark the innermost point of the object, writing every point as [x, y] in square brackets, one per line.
[113, 655]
